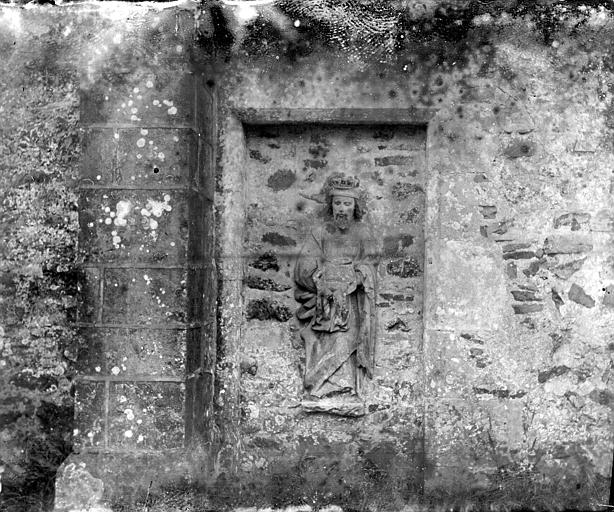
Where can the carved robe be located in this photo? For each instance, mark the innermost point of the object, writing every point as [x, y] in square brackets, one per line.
[335, 284]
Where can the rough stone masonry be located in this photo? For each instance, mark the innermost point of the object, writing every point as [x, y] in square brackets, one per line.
[487, 168]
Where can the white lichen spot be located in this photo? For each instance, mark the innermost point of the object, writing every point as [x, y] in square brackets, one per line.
[113, 233]
[128, 434]
[97, 368]
[117, 38]
[115, 370]
[161, 156]
[153, 224]
[155, 102]
[75, 432]
[90, 224]
[168, 103]
[135, 90]
[149, 84]
[122, 399]
[157, 208]
[141, 142]
[139, 156]
[112, 215]
[297, 23]
[145, 212]
[123, 210]
[130, 103]
[116, 240]
[172, 244]
[108, 221]
[129, 414]
[175, 138]
[123, 105]
[144, 131]
[134, 110]
[98, 177]
[140, 438]
[172, 111]
[107, 209]
[116, 135]
[90, 434]
[139, 97]
[139, 421]
[133, 118]
[178, 48]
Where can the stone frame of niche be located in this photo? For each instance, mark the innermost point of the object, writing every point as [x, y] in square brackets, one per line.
[232, 170]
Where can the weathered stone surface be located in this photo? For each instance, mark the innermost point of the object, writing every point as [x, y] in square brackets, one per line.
[520, 148]
[144, 296]
[77, 489]
[577, 294]
[89, 431]
[560, 244]
[103, 351]
[608, 296]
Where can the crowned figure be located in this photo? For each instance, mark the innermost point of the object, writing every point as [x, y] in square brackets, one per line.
[335, 279]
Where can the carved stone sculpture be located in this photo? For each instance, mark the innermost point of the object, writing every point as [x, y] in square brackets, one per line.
[336, 282]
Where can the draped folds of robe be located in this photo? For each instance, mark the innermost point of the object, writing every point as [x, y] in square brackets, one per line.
[335, 284]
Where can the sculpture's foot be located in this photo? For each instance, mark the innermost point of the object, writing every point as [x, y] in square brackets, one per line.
[351, 407]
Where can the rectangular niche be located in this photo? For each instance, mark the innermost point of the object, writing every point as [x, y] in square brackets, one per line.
[286, 167]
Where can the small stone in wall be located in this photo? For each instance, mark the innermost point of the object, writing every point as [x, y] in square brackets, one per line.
[402, 191]
[573, 219]
[498, 228]
[519, 255]
[525, 295]
[393, 160]
[557, 299]
[404, 268]
[266, 309]
[281, 180]
[488, 212]
[559, 244]
[257, 155]
[511, 270]
[578, 295]
[249, 366]
[546, 375]
[266, 261]
[566, 270]
[277, 239]
[520, 148]
[263, 283]
[526, 308]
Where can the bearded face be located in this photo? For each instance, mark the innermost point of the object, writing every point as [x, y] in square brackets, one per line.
[343, 211]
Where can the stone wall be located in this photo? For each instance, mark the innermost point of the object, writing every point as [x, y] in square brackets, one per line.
[494, 383]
